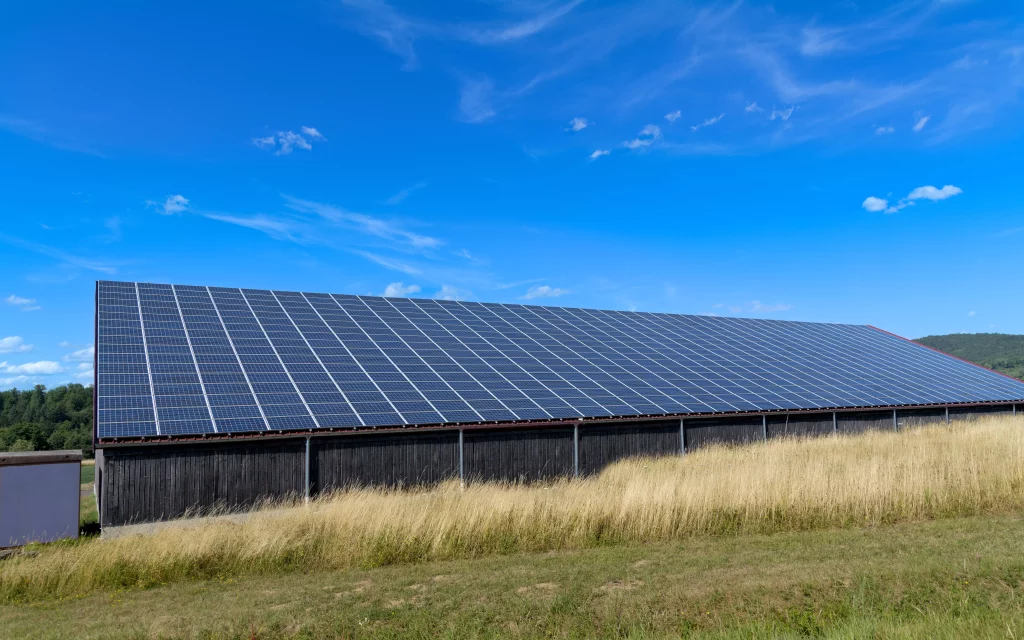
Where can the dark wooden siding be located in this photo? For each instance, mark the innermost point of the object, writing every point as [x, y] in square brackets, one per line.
[706, 431]
[800, 425]
[973, 413]
[920, 417]
[147, 484]
[861, 421]
[528, 454]
[601, 445]
[394, 459]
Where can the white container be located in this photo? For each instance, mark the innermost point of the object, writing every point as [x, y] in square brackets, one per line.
[39, 496]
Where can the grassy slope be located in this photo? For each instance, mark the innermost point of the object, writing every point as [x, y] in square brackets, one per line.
[1000, 351]
[942, 579]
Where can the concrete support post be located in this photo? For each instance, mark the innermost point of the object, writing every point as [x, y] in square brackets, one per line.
[682, 436]
[576, 450]
[462, 468]
[308, 478]
[764, 427]
[947, 415]
[895, 422]
[1015, 410]
[835, 423]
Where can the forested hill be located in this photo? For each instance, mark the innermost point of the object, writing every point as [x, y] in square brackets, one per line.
[1003, 352]
[46, 420]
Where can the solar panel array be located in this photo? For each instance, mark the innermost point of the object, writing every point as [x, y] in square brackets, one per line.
[187, 360]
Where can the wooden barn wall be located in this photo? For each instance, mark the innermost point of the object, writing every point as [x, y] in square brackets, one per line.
[397, 459]
[861, 421]
[973, 413]
[165, 482]
[523, 455]
[920, 417]
[601, 445]
[706, 431]
[800, 425]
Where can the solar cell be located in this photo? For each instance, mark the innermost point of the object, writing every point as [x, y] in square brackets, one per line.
[187, 360]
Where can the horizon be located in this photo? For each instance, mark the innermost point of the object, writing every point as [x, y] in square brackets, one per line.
[846, 163]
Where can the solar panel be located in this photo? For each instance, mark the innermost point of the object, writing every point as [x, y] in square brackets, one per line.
[185, 360]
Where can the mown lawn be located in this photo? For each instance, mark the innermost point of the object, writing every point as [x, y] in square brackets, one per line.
[954, 578]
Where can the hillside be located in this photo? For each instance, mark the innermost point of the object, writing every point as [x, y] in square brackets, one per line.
[1000, 351]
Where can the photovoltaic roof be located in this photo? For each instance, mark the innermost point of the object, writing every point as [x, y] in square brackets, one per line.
[177, 360]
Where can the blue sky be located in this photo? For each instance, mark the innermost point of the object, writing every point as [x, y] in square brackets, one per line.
[830, 161]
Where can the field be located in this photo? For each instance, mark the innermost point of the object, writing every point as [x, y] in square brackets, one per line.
[910, 534]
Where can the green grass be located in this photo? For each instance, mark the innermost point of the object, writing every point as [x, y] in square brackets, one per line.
[88, 473]
[951, 578]
[88, 516]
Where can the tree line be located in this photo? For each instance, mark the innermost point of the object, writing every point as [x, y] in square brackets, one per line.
[46, 420]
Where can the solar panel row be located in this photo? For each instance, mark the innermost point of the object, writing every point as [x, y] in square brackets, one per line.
[176, 360]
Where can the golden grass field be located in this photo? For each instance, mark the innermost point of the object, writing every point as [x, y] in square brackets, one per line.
[783, 485]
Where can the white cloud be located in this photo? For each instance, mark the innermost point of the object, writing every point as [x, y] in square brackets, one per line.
[972, 313]
[400, 290]
[43, 368]
[927, 192]
[85, 374]
[284, 142]
[647, 136]
[362, 222]
[753, 108]
[598, 153]
[708, 122]
[673, 116]
[82, 355]
[313, 133]
[819, 42]
[921, 122]
[9, 382]
[931, 193]
[171, 205]
[404, 193]
[578, 124]
[448, 292]
[544, 292]
[873, 204]
[14, 344]
[760, 307]
[881, 131]
[26, 304]
[781, 115]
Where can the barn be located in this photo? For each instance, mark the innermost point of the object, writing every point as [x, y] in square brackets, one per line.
[219, 398]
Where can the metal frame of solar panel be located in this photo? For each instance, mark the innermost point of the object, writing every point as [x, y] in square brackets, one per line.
[178, 361]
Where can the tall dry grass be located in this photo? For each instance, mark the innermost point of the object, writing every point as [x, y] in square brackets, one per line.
[874, 478]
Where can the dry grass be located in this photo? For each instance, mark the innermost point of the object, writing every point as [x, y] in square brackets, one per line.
[869, 479]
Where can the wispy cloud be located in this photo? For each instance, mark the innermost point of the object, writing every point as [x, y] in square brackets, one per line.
[597, 153]
[25, 304]
[920, 124]
[753, 108]
[885, 130]
[388, 263]
[782, 114]
[405, 193]
[927, 192]
[14, 344]
[363, 223]
[284, 142]
[708, 122]
[400, 290]
[578, 124]
[674, 115]
[544, 291]
[647, 136]
[59, 255]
